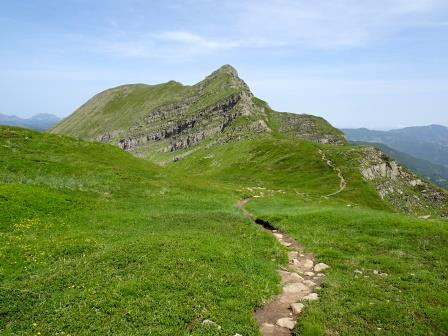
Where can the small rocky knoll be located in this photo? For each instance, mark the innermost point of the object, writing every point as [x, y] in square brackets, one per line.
[403, 189]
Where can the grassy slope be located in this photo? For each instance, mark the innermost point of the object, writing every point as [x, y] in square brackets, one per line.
[293, 166]
[411, 300]
[125, 106]
[165, 254]
[119, 108]
[95, 241]
[353, 230]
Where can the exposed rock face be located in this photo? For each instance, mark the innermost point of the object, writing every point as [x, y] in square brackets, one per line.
[403, 189]
[388, 169]
[183, 124]
[183, 131]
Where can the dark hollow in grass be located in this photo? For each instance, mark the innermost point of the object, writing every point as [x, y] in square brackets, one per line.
[265, 224]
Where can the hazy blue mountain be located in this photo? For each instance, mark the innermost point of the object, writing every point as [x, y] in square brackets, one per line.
[437, 174]
[41, 121]
[429, 143]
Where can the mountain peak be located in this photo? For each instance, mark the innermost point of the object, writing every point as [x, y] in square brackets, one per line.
[225, 78]
[157, 120]
[227, 68]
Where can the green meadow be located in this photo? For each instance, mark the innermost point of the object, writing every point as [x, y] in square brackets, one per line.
[94, 241]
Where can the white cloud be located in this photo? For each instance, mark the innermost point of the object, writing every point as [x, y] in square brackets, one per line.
[169, 47]
[195, 40]
[258, 24]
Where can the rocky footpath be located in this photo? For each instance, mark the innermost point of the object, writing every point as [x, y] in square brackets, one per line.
[300, 282]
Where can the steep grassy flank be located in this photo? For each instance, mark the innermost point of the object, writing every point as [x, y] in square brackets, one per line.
[119, 108]
[95, 241]
[61, 162]
[126, 106]
[259, 163]
[410, 300]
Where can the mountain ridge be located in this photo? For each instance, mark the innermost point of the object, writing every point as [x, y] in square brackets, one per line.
[172, 122]
[171, 117]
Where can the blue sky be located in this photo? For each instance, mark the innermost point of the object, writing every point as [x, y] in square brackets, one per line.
[371, 63]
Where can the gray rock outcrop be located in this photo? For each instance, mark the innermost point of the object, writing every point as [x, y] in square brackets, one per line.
[400, 187]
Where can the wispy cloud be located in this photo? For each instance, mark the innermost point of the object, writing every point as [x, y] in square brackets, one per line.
[278, 23]
[394, 53]
[167, 45]
[203, 27]
[191, 39]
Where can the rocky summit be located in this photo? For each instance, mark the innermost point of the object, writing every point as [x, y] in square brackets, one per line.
[173, 118]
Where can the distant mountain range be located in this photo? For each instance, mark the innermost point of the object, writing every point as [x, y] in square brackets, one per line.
[41, 121]
[423, 149]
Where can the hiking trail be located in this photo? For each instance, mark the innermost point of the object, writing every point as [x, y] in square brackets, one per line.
[300, 280]
[342, 182]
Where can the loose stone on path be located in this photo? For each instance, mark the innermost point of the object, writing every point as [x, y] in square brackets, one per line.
[320, 267]
[297, 307]
[307, 264]
[294, 288]
[286, 322]
[311, 297]
[309, 283]
[278, 235]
